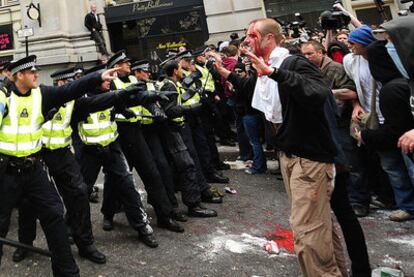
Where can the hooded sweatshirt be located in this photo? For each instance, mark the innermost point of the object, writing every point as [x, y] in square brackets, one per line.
[401, 31]
[394, 100]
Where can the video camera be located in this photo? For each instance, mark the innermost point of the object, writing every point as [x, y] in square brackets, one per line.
[334, 19]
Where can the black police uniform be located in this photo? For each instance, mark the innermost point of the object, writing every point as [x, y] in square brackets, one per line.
[192, 182]
[119, 185]
[66, 174]
[27, 177]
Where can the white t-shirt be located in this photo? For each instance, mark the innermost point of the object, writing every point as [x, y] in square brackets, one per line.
[357, 68]
[266, 94]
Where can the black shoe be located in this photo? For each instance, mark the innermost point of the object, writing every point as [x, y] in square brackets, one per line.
[19, 255]
[149, 240]
[94, 197]
[222, 166]
[179, 216]
[200, 211]
[170, 224]
[216, 178]
[91, 253]
[108, 224]
[212, 199]
[360, 211]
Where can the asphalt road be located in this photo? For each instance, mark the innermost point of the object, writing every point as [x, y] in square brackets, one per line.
[229, 245]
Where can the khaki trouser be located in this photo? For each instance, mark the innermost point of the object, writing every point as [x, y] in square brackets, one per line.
[309, 185]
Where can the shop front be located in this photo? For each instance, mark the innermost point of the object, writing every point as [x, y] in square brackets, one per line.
[150, 29]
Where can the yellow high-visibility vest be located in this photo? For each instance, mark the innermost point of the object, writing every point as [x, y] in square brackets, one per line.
[21, 128]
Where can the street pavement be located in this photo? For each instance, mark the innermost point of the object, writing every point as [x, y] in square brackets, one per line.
[230, 245]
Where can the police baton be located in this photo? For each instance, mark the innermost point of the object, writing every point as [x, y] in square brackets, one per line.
[25, 246]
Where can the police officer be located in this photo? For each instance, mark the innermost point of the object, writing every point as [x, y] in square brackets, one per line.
[210, 114]
[193, 133]
[65, 171]
[194, 189]
[152, 125]
[137, 152]
[22, 171]
[99, 132]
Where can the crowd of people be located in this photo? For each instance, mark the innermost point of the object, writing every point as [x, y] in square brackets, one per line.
[335, 108]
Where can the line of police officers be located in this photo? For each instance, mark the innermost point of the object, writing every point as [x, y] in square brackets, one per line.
[117, 119]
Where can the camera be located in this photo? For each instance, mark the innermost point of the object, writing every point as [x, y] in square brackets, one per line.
[332, 20]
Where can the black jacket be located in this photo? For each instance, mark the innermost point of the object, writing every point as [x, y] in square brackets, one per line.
[244, 90]
[92, 23]
[305, 131]
[395, 107]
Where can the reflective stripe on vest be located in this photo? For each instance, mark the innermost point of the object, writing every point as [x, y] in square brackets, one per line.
[137, 109]
[57, 132]
[206, 79]
[147, 120]
[98, 129]
[3, 100]
[179, 89]
[21, 132]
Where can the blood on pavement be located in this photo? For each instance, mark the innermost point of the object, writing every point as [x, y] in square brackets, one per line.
[283, 237]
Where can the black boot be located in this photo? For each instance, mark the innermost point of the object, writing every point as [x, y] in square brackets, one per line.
[201, 211]
[146, 235]
[91, 253]
[108, 224]
[170, 224]
[217, 178]
[179, 216]
[20, 254]
[208, 197]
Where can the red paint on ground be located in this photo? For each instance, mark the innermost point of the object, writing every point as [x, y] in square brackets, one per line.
[283, 237]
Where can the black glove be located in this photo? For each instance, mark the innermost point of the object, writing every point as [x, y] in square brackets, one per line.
[157, 112]
[51, 113]
[192, 109]
[130, 92]
[127, 113]
[149, 97]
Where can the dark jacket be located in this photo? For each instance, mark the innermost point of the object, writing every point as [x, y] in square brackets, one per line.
[395, 107]
[92, 23]
[244, 90]
[335, 77]
[305, 131]
[394, 101]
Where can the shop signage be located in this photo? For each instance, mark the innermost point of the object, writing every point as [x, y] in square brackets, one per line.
[170, 45]
[6, 37]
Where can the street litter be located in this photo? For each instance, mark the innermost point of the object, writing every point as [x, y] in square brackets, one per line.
[230, 190]
[271, 247]
[387, 272]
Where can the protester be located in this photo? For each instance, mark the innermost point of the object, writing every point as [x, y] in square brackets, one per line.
[306, 146]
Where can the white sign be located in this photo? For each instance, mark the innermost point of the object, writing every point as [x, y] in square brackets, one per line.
[28, 32]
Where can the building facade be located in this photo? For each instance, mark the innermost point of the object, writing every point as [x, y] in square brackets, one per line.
[147, 28]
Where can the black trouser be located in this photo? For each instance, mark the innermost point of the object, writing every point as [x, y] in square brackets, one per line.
[208, 118]
[139, 156]
[183, 164]
[187, 136]
[195, 130]
[100, 42]
[151, 134]
[65, 171]
[119, 185]
[351, 229]
[34, 185]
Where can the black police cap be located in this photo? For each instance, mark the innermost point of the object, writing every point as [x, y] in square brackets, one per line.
[141, 65]
[118, 57]
[94, 69]
[27, 63]
[64, 74]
